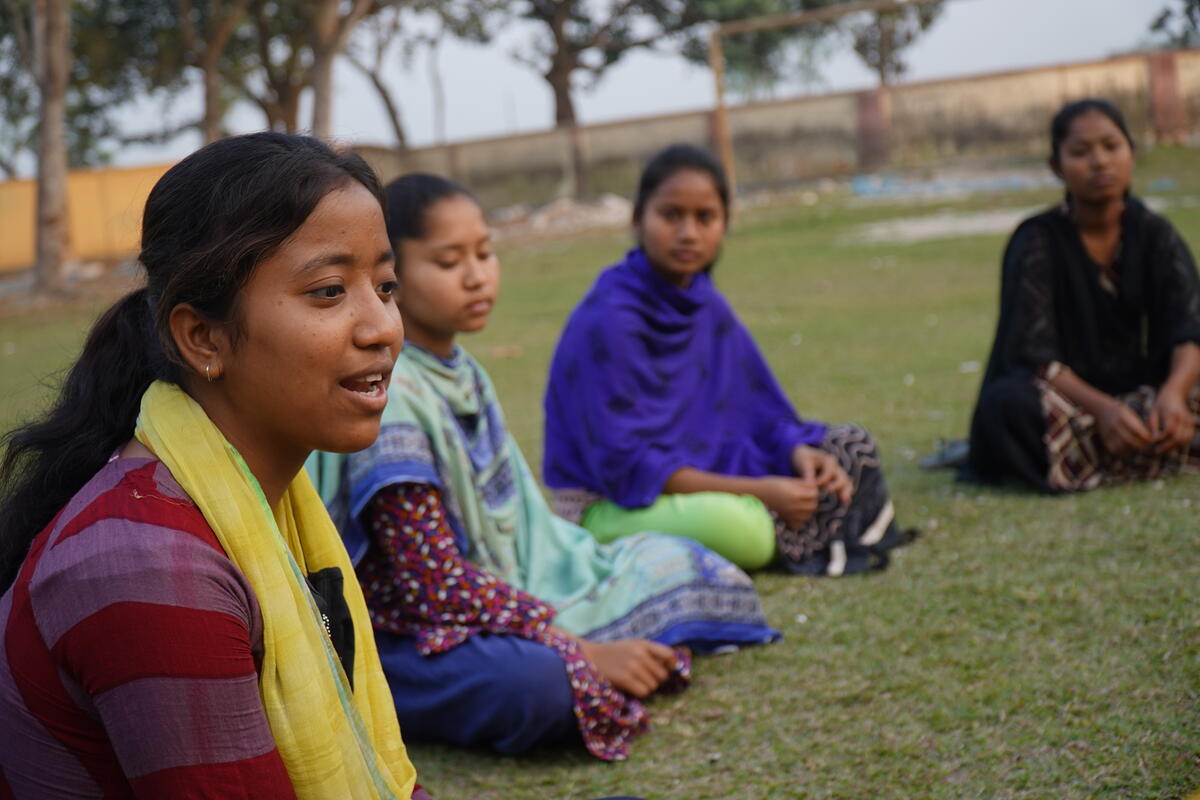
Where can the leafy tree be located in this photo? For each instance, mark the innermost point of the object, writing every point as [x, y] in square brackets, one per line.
[762, 59]
[268, 61]
[120, 50]
[18, 89]
[880, 40]
[206, 30]
[289, 46]
[756, 62]
[576, 36]
[65, 66]
[405, 28]
[1178, 25]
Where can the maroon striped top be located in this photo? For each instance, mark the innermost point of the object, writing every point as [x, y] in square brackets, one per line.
[128, 665]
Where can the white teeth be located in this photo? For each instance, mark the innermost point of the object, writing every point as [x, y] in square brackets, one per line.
[374, 390]
[372, 378]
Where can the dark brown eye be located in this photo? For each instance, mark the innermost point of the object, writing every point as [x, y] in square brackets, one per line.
[328, 292]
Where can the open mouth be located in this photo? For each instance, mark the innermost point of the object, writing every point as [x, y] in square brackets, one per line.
[367, 385]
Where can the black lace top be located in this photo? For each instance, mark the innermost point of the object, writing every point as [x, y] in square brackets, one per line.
[1114, 327]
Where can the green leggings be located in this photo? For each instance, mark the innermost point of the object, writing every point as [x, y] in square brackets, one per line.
[736, 526]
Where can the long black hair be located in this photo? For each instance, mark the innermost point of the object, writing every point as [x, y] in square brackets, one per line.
[679, 158]
[1060, 126]
[409, 199]
[208, 222]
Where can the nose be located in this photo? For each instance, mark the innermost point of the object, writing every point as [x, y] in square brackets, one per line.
[687, 228]
[378, 323]
[473, 273]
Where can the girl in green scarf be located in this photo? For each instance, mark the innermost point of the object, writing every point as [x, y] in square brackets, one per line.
[499, 623]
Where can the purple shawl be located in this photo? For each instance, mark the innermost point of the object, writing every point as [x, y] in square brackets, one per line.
[648, 378]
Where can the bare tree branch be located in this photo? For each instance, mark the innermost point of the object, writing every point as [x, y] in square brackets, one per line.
[600, 36]
[8, 167]
[163, 135]
[385, 96]
[21, 34]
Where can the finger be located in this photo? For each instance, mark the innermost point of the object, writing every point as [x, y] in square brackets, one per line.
[1152, 425]
[836, 485]
[796, 519]
[804, 462]
[637, 687]
[1115, 441]
[646, 676]
[1135, 432]
[822, 468]
[1171, 426]
[1176, 435]
[663, 654]
[807, 505]
[658, 671]
[651, 661]
[845, 489]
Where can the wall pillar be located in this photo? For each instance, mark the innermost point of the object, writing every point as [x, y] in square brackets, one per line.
[874, 128]
[1167, 120]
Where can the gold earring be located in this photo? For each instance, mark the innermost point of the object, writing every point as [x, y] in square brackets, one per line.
[207, 372]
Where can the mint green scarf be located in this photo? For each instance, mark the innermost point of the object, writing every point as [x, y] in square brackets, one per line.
[444, 427]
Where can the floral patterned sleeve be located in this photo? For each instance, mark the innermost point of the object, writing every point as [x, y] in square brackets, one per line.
[416, 581]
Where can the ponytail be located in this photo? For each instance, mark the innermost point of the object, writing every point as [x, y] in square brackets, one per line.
[46, 462]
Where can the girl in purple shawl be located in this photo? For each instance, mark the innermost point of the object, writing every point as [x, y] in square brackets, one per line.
[661, 414]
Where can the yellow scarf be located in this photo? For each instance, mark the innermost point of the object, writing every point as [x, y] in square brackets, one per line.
[335, 743]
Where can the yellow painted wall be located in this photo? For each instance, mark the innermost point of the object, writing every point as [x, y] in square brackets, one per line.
[17, 203]
[104, 210]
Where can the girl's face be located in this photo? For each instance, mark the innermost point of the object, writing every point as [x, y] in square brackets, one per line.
[682, 226]
[319, 331]
[449, 279]
[1095, 161]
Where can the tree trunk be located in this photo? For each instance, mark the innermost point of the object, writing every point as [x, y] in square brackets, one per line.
[52, 27]
[438, 87]
[579, 170]
[564, 105]
[330, 32]
[289, 109]
[887, 48]
[212, 96]
[322, 86]
[324, 32]
[562, 64]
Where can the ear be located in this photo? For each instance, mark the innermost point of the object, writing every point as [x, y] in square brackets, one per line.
[201, 343]
[1055, 167]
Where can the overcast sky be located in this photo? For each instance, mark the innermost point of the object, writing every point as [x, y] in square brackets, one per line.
[488, 93]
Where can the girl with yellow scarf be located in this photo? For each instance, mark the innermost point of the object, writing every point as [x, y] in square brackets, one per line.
[177, 619]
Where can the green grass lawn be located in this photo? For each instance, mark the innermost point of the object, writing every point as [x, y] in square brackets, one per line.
[1024, 647]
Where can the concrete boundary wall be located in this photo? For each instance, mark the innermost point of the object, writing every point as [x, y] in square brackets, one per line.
[977, 118]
